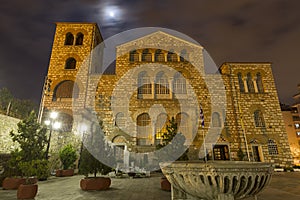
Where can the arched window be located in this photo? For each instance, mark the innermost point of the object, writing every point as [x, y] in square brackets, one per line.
[259, 83]
[159, 56]
[70, 63]
[161, 126]
[143, 129]
[272, 147]
[241, 82]
[65, 90]
[161, 84]
[179, 84]
[182, 120]
[120, 120]
[69, 39]
[250, 83]
[146, 55]
[133, 56]
[216, 120]
[79, 39]
[183, 55]
[259, 119]
[172, 57]
[144, 84]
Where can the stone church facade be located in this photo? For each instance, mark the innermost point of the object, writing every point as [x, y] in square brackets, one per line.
[158, 77]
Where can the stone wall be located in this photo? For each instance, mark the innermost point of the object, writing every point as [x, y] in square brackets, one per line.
[6, 125]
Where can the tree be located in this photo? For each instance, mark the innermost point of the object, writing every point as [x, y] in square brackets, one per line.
[6, 98]
[32, 140]
[173, 143]
[97, 155]
[67, 156]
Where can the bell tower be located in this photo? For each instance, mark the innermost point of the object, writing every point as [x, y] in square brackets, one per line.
[72, 45]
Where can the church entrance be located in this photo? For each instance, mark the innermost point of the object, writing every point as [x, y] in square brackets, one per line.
[256, 156]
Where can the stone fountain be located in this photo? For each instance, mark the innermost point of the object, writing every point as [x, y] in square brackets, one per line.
[216, 180]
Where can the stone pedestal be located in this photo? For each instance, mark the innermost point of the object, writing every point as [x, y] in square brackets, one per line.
[219, 180]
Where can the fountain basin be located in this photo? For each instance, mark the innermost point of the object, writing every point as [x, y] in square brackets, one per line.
[221, 180]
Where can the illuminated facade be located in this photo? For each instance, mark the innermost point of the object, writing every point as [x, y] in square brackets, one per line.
[164, 79]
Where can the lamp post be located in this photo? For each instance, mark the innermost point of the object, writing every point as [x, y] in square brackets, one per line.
[53, 125]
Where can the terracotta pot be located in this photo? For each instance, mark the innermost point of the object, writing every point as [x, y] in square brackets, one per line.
[98, 183]
[12, 183]
[65, 172]
[27, 191]
[165, 184]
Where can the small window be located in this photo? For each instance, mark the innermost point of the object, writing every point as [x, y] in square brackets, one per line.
[241, 82]
[69, 39]
[297, 126]
[70, 63]
[172, 57]
[144, 84]
[133, 56]
[250, 83]
[272, 147]
[79, 39]
[146, 55]
[259, 119]
[159, 56]
[298, 134]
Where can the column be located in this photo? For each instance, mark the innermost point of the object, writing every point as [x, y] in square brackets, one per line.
[245, 85]
[255, 84]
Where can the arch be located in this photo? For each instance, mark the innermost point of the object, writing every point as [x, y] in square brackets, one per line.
[161, 126]
[159, 56]
[79, 38]
[70, 63]
[259, 83]
[143, 122]
[65, 90]
[134, 56]
[146, 55]
[259, 119]
[216, 120]
[119, 139]
[179, 84]
[69, 40]
[172, 57]
[120, 120]
[161, 83]
[144, 84]
[272, 147]
[250, 83]
[241, 82]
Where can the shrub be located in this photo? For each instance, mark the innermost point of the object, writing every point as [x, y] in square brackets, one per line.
[67, 156]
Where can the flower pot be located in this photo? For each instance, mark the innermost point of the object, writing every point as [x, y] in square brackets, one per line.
[165, 184]
[97, 183]
[27, 191]
[12, 183]
[65, 172]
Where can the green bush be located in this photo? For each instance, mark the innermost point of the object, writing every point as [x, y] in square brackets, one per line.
[67, 156]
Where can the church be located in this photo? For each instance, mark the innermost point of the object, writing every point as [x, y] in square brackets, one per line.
[136, 87]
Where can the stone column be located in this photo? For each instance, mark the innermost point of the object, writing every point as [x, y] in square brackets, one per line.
[171, 87]
[245, 84]
[255, 85]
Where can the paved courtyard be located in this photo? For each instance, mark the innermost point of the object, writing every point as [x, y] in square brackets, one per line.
[283, 186]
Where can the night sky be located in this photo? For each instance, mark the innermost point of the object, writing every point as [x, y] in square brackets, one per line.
[231, 31]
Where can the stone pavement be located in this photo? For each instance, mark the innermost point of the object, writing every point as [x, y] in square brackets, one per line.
[284, 185]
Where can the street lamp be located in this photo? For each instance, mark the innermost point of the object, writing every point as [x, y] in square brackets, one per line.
[53, 125]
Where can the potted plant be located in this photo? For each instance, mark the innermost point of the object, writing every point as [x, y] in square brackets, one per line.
[67, 156]
[28, 159]
[177, 140]
[96, 157]
[28, 190]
